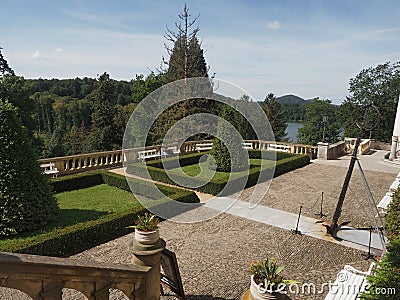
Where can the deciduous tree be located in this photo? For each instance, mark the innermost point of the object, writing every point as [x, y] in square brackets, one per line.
[313, 127]
[381, 86]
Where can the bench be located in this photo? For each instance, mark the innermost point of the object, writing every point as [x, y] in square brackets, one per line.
[349, 284]
[203, 147]
[165, 151]
[395, 184]
[145, 154]
[247, 145]
[278, 147]
[384, 203]
[50, 169]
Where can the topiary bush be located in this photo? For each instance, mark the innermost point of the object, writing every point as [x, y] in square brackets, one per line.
[232, 156]
[26, 199]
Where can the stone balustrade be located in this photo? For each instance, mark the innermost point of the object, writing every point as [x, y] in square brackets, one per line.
[85, 162]
[113, 159]
[364, 148]
[293, 148]
[44, 278]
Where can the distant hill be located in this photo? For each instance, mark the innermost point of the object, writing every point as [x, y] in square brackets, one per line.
[292, 99]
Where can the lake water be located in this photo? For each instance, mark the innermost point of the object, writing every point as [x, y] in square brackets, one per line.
[291, 131]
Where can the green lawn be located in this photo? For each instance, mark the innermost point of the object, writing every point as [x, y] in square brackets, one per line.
[91, 203]
[80, 206]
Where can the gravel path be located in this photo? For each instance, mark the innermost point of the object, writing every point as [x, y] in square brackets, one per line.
[305, 185]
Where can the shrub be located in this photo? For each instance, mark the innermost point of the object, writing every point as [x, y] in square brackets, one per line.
[170, 162]
[387, 274]
[393, 217]
[73, 239]
[229, 156]
[76, 182]
[26, 200]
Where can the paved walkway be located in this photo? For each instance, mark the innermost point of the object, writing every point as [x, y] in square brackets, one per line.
[371, 162]
[350, 237]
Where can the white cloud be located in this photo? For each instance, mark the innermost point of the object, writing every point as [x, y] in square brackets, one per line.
[273, 25]
[37, 55]
[59, 50]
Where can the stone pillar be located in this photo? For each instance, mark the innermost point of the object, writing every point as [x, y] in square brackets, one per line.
[150, 256]
[393, 149]
[396, 133]
[323, 150]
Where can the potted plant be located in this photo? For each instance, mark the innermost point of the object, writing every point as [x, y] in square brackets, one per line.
[266, 281]
[146, 229]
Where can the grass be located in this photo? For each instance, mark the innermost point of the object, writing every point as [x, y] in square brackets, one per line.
[80, 206]
[90, 203]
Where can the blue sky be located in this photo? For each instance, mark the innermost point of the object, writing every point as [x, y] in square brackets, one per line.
[309, 48]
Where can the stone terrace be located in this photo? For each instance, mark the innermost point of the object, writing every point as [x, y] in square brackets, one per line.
[213, 255]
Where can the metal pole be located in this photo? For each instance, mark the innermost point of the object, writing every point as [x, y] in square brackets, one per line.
[297, 225]
[369, 255]
[321, 214]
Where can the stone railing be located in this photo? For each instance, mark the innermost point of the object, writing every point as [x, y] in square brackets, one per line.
[364, 148]
[85, 162]
[44, 278]
[113, 159]
[293, 148]
[332, 151]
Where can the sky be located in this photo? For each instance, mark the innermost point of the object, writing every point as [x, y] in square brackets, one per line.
[309, 48]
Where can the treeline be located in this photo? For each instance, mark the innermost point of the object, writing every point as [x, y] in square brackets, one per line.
[63, 116]
[294, 112]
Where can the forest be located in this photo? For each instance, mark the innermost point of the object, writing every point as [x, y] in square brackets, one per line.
[83, 115]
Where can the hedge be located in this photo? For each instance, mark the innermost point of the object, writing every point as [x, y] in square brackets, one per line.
[170, 162]
[79, 237]
[287, 162]
[76, 182]
[76, 238]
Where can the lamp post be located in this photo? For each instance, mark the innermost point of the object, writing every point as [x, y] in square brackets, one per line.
[324, 120]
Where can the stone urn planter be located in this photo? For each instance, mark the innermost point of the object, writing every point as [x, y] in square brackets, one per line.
[266, 281]
[146, 229]
[259, 293]
[147, 237]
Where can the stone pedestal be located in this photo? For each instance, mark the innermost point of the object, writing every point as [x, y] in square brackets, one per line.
[393, 149]
[323, 150]
[150, 256]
